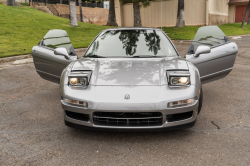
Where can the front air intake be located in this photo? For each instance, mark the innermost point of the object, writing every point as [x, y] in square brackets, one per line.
[134, 119]
[178, 117]
[77, 116]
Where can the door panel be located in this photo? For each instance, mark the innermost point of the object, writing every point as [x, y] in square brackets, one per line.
[219, 62]
[48, 65]
[239, 13]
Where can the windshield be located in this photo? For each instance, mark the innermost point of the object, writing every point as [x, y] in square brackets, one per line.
[127, 43]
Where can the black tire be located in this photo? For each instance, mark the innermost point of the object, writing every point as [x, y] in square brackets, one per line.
[200, 101]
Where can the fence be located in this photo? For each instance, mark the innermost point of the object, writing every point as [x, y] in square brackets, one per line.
[152, 16]
[84, 4]
[93, 5]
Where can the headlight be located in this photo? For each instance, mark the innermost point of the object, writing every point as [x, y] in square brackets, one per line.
[76, 102]
[78, 81]
[181, 103]
[79, 78]
[179, 80]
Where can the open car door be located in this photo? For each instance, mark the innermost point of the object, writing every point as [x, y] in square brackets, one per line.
[212, 53]
[53, 54]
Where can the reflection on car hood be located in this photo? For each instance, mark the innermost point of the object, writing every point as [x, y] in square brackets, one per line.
[129, 71]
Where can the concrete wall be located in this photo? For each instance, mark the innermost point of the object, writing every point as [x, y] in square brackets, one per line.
[92, 15]
[151, 15]
[96, 15]
[197, 12]
[218, 12]
[44, 9]
[231, 17]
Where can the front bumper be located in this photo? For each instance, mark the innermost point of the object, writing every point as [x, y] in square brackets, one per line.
[144, 99]
[180, 124]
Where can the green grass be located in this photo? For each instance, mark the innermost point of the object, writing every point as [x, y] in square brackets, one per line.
[25, 4]
[21, 28]
[188, 32]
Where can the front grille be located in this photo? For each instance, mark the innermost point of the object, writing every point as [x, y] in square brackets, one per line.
[127, 119]
[178, 117]
[77, 116]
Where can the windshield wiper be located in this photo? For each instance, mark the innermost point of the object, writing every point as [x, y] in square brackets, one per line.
[95, 56]
[146, 56]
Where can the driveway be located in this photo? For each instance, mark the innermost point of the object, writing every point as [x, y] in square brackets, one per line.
[32, 130]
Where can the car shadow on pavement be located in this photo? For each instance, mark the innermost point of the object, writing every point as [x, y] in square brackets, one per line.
[129, 136]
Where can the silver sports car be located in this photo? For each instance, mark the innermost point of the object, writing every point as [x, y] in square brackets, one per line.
[133, 78]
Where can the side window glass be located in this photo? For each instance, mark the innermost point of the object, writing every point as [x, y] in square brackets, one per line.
[56, 38]
[211, 36]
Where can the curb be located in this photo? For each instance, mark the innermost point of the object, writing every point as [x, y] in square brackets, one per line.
[26, 56]
[13, 58]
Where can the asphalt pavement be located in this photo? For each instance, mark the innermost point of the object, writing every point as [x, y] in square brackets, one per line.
[32, 130]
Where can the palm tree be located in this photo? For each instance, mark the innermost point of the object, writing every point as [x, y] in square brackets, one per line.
[80, 8]
[112, 18]
[137, 14]
[136, 8]
[72, 11]
[248, 21]
[180, 22]
[10, 2]
[243, 21]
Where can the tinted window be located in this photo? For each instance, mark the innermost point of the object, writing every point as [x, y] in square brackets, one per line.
[131, 43]
[58, 38]
[210, 36]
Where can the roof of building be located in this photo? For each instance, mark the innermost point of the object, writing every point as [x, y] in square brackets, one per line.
[238, 1]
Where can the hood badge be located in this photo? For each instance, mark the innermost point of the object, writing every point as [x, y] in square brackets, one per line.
[127, 97]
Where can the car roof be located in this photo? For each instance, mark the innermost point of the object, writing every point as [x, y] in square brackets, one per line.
[131, 28]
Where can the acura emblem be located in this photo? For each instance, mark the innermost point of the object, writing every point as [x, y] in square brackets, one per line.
[127, 96]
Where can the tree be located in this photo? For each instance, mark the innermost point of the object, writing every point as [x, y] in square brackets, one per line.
[112, 18]
[80, 8]
[137, 14]
[180, 22]
[72, 11]
[10, 2]
[136, 8]
[248, 21]
[245, 15]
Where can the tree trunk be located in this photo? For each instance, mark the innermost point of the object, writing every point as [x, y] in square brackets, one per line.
[248, 21]
[72, 11]
[80, 8]
[112, 18]
[245, 15]
[180, 22]
[137, 14]
[10, 2]
[61, 1]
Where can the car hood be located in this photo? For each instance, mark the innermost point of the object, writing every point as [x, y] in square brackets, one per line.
[129, 71]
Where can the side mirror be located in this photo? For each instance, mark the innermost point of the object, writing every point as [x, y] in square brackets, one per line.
[202, 50]
[62, 51]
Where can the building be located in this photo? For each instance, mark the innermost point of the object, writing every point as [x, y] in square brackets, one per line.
[237, 9]
[106, 4]
[197, 12]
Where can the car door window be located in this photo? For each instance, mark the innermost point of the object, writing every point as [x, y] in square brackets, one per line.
[211, 36]
[56, 38]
